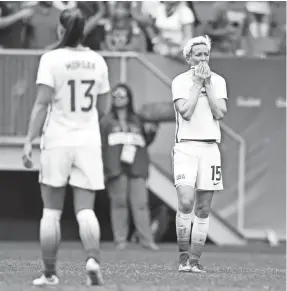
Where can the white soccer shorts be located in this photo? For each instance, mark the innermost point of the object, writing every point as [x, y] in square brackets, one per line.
[78, 166]
[197, 164]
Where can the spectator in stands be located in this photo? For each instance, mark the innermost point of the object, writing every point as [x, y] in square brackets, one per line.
[42, 27]
[173, 25]
[122, 33]
[93, 12]
[12, 24]
[225, 29]
[263, 30]
[93, 33]
[125, 139]
[144, 13]
[259, 18]
[197, 23]
[62, 5]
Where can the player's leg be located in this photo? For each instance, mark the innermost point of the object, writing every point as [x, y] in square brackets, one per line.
[185, 172]
[90, 232]
[118, 194]
[54, 171]
[200, 227]
[86, 178]
[50, 229]
[209, 179]
[138, 196]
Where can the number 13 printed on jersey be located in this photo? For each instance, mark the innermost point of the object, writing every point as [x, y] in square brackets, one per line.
[88, 86]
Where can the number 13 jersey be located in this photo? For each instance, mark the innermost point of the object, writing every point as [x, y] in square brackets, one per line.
[77, 76]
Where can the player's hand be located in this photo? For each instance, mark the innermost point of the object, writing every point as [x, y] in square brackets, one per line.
[206, 71]
[27, 155]
[198, 76]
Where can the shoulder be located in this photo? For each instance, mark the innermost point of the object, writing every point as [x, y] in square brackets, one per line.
[53, 56]
[49, 59]
[98, 58]
[181, 79]
[94, 54]
[218, 78]
[48, 55]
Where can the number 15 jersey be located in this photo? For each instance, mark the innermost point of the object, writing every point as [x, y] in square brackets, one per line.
[77, 76]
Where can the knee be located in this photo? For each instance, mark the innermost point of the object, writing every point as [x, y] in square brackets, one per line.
[51, 214]
[202, 210]
[185, 196]
[185, 204]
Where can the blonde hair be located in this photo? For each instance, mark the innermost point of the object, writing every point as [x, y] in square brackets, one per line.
[187, 50]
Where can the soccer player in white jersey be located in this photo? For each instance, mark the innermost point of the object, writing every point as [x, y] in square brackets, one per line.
[73, 89]
[199, 97]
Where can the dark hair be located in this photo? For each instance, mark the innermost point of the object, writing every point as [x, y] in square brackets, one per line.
[190, 5]
[130, 105]
[74, 22]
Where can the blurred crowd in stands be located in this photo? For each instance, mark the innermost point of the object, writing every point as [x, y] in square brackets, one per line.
[236, 28]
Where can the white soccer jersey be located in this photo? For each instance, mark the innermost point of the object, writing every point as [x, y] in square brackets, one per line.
[202, 124]
[77, 77]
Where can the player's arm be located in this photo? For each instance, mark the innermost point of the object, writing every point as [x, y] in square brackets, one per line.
[45, 91]
[185, 99]
[104, 97]
[217, 96]
[103, 104]
[39, 111]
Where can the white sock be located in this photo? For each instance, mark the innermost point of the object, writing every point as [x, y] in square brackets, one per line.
[50, 237]
[183, 227]
[89, 229]
[198, 236]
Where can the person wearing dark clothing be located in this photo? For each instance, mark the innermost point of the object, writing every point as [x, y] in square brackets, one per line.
[124, 141]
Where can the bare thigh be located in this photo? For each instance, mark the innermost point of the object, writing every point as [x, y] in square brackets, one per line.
[53, 197]
[83, 199]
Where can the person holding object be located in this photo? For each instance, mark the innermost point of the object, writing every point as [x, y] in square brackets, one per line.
[125, 139]
[199, 97]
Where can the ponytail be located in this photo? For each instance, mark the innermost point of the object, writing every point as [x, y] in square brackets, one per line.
[73, 21]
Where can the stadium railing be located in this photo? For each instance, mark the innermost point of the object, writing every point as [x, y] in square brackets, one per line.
[123, 76]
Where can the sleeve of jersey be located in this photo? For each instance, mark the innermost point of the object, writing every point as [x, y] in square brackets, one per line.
[221, 91]
[105, 83]
[179, 90]
[45, 74]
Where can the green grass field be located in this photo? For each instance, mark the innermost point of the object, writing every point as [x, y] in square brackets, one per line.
[137, 269]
